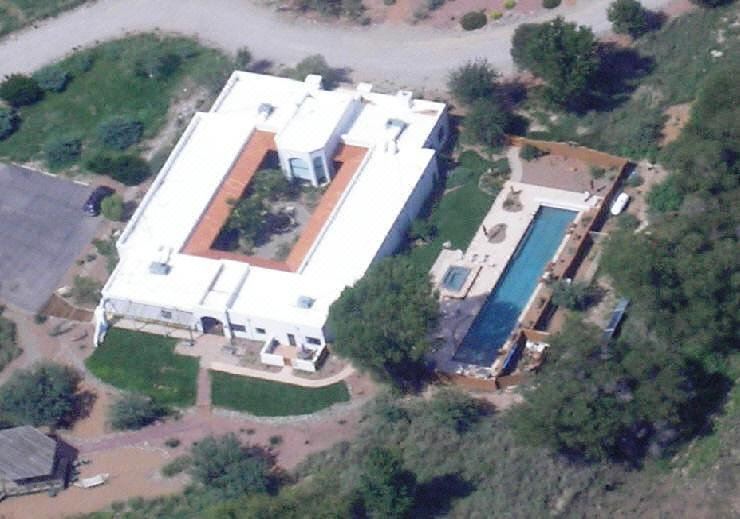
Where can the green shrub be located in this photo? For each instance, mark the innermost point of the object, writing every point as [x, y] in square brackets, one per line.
[127, 169]
[597, 173]
[510, 4]
[172, 443]
[243, 58]
[315, 64]
[665, 197]
[433, 5]
[422, 229]
[389, 2]
[120, 132]
[8, 122]
[628, 222]
[19, 90]
[496, 15]
[86, 291]
[62, 150]
[473, 20]
[112, 207]
[472, 81]
[158, 64]
[52, 78]
[550, 4]
[177, 466]
[529, 152]
[628, 17]
[575, 295]
[134, 412]
[486, 123]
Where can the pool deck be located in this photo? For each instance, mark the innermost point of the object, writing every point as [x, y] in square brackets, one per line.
[489, 258]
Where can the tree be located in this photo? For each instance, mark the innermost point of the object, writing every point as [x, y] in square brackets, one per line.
[387, 489]
[8, 122]
[615, 407]
[120, 132]
[455, 410]
[561, 53]
[127, 169]
[486, 123]
[134, 412]
[62, 150]
[575, 295]
[112, 207]
[315, 64]
[243, 58]
[382, 322]
[472, 81]
[19, 90]
[52, 78]
[42, 395]
[225, 465]
[629, 17]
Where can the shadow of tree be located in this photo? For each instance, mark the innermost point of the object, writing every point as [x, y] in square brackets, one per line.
[434, 498]
[618, 76]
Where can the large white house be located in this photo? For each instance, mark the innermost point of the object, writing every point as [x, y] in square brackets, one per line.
[375, 155]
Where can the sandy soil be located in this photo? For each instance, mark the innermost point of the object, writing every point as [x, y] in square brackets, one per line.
[134, 471]
[678, 116]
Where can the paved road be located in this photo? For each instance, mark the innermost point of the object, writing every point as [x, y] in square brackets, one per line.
[410, 56]
[42, 230]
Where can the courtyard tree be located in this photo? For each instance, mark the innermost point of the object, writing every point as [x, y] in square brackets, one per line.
[45, 394]
[486, 123]
[134, 411]
[563, 54]
[629, 17]
[387, 489]
[381, 323]
[472, 81]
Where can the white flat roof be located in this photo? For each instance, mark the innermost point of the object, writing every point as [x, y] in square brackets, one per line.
[349, 240]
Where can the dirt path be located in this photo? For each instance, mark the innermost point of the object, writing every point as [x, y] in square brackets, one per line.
[373, 53]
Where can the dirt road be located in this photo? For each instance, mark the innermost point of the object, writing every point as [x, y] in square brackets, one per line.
[388, 55]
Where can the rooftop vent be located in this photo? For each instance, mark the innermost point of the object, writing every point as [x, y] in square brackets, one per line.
[313, 82]
[265, 110]
[161, 264]
[305, 302]
[405, 98]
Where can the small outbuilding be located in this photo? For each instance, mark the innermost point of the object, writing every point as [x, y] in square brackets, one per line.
[30, 461]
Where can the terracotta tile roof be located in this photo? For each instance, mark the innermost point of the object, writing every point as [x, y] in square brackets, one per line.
[204, 234]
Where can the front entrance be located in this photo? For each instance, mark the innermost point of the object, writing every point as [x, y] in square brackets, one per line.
[291, 339]
[212, 326]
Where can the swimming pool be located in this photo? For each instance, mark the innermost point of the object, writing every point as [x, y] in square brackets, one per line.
[455, 277]
[500, 312]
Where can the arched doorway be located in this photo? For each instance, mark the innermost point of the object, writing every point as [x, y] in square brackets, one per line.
[212, 326]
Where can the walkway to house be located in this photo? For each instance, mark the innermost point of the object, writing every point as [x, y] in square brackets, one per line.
[373, 53]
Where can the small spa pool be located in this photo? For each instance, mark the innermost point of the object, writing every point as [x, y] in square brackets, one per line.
[500, 313]
[454, 278]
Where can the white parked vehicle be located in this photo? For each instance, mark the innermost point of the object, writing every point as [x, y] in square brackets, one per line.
[619, 203]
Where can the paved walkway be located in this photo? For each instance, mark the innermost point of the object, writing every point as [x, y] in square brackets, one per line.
[285, 375]
[413, 56]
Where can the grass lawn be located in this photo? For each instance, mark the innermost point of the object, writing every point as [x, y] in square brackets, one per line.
[266, 398]
[8, 346]
[457, 214]
[145, 364]
[18, 13]
[108, 81]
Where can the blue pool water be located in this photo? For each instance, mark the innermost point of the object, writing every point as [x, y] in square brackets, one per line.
[500, 312]
[455, 278]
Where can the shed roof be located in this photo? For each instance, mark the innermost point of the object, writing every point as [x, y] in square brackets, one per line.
[26, 453]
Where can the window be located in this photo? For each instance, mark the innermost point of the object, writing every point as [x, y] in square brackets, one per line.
[299, 168]
[313, 340]
[260, 331]
[238, 328]
[166, 314]
[318, 167]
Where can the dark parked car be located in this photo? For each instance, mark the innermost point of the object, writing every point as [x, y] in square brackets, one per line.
[92, 206]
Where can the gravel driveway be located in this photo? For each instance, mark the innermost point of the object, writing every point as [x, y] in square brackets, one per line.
[388, 55]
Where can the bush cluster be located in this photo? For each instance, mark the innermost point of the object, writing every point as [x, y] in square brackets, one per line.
[62, 150]
[8, 122]
[19, 90]
[112, 208]
[127, 169]
[52, 78]
[550, 4]
[134, 412]
[120, 132]
[473, 20]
